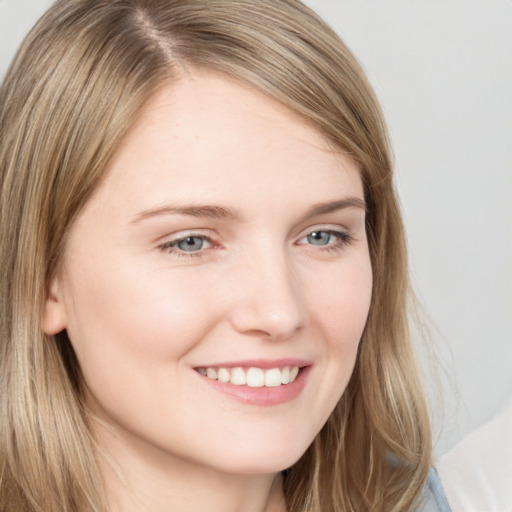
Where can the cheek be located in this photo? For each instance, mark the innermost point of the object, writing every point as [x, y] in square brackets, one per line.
[121, 319]
[341, 307]
[342, 304]
[132, 336]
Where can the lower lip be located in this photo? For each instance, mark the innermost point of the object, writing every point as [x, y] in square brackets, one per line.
[263, 396]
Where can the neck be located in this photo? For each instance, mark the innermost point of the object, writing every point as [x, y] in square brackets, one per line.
[142, 479]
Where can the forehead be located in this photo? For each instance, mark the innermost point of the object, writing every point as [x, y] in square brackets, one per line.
[212, 135]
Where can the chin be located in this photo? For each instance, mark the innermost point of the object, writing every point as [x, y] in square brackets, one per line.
[262, 458]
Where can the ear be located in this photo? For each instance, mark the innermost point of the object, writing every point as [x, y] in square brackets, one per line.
[54, 316]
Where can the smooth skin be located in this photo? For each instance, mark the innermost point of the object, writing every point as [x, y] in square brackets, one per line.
[226, 229]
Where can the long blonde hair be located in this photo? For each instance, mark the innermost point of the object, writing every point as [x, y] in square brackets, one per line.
[73, 90]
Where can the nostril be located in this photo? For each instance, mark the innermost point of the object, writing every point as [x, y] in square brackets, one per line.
[270, 302]
[260, 322]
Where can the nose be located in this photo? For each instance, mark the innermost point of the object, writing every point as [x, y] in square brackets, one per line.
[269, 300]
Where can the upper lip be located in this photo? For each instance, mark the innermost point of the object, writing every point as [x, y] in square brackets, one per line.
[265, 364]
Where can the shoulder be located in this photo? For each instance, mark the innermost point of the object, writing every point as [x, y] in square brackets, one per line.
[434, 499]
[477, 472]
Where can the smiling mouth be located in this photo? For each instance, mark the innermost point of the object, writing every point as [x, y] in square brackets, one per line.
[252, 376]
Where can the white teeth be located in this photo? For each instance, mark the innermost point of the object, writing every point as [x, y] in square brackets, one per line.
[255, 378]
[252, 377]
[223, 375]
[238, 377]
[273, 378]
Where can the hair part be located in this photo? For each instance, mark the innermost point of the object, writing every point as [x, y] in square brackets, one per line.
[75, 88]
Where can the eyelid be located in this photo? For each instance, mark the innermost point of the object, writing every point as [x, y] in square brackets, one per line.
[330, 228]
[180, 234]
[170, 241]
[342, 238]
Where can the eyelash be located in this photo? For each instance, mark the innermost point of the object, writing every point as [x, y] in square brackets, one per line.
[342, 240]
[171, 246]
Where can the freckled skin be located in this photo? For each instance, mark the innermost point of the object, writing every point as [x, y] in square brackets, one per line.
[142, 313]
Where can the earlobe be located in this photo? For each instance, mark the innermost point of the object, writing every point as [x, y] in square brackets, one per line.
[54, 315]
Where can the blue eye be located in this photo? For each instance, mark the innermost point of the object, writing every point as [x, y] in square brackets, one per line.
[320, 238]
[327, 239]
[190, 244]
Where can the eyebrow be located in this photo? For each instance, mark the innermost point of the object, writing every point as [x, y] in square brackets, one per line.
[203, 211]
[332, 206]
[225, 213]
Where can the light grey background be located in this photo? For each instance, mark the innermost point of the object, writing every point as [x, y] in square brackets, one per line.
[443, 71]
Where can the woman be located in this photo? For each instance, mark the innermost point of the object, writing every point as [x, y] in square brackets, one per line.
[206, 281]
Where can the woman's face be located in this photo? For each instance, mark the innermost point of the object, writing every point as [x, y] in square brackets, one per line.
[228, 238]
